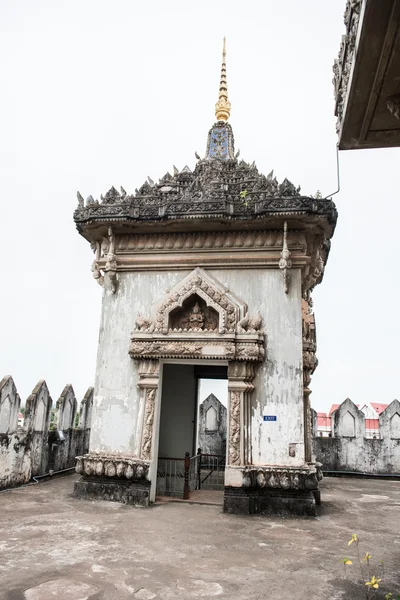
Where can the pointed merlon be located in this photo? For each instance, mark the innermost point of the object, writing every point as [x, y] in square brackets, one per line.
[175, 170]
[197, 156]
[223, 106]
[81, 201]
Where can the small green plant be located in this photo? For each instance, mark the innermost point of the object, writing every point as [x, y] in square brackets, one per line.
[370, 580]
[243, 195]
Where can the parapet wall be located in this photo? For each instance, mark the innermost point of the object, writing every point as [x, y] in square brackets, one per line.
[349, 450]
[40, 446]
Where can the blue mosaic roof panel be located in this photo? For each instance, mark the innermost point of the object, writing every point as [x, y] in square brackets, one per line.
[218, 147]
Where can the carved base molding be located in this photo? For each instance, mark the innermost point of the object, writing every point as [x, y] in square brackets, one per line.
[114, 491]
[289, 478]
[113, 477]
[268, 501]
[272, 490]
[112, 466]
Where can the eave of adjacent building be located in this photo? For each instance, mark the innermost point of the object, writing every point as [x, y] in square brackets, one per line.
[367, 121]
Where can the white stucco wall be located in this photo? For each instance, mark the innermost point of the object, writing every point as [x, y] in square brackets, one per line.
[279, 381]
[117, 412]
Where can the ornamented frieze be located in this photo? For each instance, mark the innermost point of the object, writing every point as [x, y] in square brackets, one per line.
[182, 242]
[112, 466]
[202, 348]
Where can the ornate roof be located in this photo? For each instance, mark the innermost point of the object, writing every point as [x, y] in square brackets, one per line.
[220, 185]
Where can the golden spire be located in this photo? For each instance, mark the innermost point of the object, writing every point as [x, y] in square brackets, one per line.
[223, 106]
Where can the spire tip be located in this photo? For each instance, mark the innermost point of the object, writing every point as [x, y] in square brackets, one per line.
[223, 106]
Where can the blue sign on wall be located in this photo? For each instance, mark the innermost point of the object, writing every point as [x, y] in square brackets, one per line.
[269, 417]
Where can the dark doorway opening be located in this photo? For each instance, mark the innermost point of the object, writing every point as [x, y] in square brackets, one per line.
[193, 414]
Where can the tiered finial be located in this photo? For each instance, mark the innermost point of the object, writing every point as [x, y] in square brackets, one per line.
[223, 106]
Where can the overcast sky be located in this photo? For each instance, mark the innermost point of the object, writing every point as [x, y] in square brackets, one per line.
[98, 93]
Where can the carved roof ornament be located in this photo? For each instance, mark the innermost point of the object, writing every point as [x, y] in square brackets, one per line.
[285, 263]
[219, 198]
[220, 186]
[223, 106]
[214, 188]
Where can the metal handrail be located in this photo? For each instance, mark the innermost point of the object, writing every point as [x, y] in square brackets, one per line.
[187, 477]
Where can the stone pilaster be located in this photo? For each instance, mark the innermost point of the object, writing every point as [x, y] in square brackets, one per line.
[310, 363]
[148, 383]
[124, 477]
[240, 375]
[270, 489]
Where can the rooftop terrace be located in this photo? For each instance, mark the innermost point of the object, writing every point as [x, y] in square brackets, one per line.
[55, 546]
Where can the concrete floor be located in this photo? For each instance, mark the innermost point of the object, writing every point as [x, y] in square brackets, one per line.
[55, 546]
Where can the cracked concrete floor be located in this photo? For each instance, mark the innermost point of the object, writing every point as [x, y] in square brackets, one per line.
[55, 546]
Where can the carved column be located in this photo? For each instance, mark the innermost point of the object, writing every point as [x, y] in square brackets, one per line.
[310, 363]
[240, 375]
[148, 382]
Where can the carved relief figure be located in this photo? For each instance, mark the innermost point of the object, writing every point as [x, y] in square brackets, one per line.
[194, 315]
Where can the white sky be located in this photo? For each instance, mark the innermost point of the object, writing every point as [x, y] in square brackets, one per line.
[218, 387]
[98, 93]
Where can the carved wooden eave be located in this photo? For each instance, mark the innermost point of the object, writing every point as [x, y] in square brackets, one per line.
[233, 336]
[367, 94]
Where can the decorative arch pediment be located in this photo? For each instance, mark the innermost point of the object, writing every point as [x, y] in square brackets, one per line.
[229, 308]
[198, 317]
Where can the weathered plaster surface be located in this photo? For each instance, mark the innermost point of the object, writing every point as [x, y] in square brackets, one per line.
[34, 449]
[117, 411]
[117, 407]
[15, 459]
[350, 450]
[279, 380]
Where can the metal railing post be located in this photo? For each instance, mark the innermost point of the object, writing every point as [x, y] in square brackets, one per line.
[186, 489]
[199, 469]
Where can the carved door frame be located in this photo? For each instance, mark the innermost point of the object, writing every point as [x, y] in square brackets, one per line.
[240, 376]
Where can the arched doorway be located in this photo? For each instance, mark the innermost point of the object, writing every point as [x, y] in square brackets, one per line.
[192, 420]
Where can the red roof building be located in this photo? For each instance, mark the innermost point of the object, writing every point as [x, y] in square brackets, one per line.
[379, 407]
